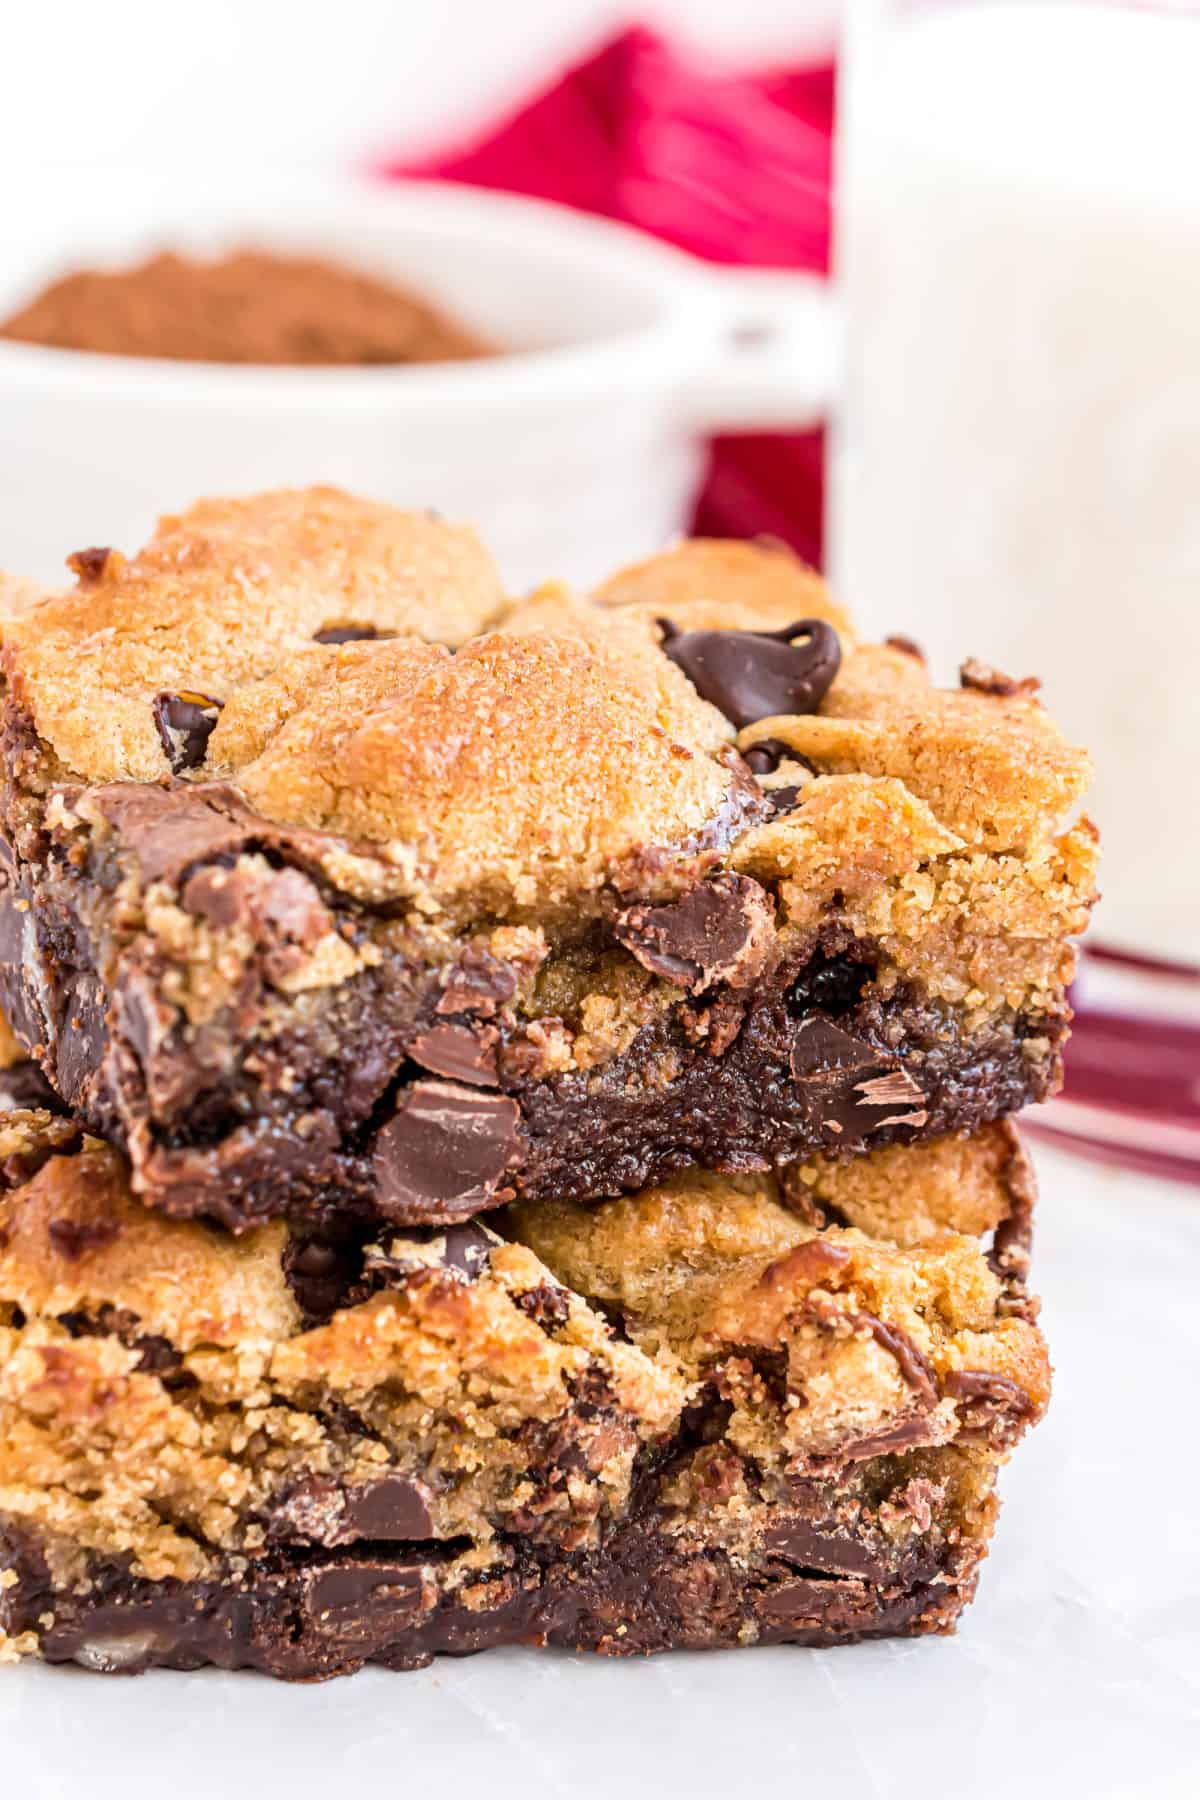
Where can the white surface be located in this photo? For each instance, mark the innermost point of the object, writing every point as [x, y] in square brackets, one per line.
[575, 456]
[1019, 456]
[243, 84]
[1077, 1671]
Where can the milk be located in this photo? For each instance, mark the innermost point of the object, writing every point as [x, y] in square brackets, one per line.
[1017, 465]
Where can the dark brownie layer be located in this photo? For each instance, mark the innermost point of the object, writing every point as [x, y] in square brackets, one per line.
[312, 1616]
[418, 1088]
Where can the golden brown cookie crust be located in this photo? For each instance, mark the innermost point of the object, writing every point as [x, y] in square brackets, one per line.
[538, 760]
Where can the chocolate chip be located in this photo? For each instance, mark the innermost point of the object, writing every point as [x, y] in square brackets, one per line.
[445, 1153]
[345, 634]
[185, 723]
[765, 756]
[751, 675]
[457, 1052]
[390, 1506]
[721, 931]
[90, 564]
[983, 679]
[74, 1238]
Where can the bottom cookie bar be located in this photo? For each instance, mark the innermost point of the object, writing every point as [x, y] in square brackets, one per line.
[728, 1410]
[889, 1548]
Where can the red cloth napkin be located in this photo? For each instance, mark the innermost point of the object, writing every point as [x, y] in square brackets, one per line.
[735, 169]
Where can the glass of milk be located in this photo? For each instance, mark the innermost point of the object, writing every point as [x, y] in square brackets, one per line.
[1017, 461]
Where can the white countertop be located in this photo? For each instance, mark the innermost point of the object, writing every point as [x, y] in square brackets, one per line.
[1077, 1669]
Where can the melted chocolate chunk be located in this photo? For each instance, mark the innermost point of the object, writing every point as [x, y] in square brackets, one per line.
[346, 634]
[721, 931]
[910, 1359]
[75, 1238]
[445, 1152]
[975, 1385]
[752, 675]
[458, 1053]
[185, 723]
[856, 1087]
[391, 1506]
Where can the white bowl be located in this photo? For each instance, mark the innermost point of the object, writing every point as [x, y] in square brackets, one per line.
[577, 450]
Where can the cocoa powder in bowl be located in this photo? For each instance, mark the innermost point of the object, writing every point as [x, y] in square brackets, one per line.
[247, 307]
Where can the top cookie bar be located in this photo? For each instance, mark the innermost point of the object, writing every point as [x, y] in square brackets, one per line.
[338, 881]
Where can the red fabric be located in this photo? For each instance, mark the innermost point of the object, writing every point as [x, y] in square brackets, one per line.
[733, 168]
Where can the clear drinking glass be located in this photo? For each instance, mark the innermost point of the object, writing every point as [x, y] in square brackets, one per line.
[1018, 463]
[1016, 472]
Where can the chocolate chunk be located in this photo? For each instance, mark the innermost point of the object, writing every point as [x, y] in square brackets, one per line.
[721, 931]
[459, 1053]
[390, 1506]
[818, 1046]
[782, 800]
[752, 675]
[976, 1385]
[477, 983]
[765, 756]
[467, 1247]
[73, 1238]
[92, 564]
[185, 723]
[905, 1434]
[813, 1261]
[855, 1086]
[461, 1249]
[981, 678]
[908, 645]
[545, 1304]
[345, 634]
[445, 1153]
[801, 1542]
[391, 1587]
[910, 1359]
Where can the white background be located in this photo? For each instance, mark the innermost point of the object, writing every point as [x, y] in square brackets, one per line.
[238, 84]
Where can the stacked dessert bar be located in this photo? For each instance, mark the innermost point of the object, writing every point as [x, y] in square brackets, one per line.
[519, 1149]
